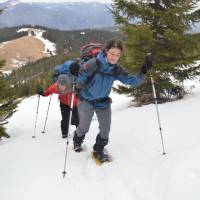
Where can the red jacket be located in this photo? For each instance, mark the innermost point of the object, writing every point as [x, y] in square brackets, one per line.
[64, 98]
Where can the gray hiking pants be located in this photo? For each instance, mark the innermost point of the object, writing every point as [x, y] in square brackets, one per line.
[86, 112]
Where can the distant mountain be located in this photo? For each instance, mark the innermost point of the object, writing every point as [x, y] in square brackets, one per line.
[9, 3]
[66, 16]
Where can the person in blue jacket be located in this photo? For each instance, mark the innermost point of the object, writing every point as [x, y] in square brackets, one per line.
[96, 78]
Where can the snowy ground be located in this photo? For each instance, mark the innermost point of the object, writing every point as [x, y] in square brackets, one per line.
[50, 47]
[31, 169]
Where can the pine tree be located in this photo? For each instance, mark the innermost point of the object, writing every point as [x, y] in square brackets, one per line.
[7, 102]
[160, 27]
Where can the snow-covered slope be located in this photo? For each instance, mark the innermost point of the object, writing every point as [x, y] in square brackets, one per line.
[31, 169]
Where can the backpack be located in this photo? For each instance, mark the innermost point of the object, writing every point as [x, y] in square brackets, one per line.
[61, 69]
[89, 51]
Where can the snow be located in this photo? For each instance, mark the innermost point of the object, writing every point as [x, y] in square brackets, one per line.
[17, 63]
[50, 47]
[14, 3]
[8, 72]
[32, 168]
[4, 43]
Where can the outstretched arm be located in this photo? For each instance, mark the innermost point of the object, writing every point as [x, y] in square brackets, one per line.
[136, 80]
[133, 80]
[51, 90]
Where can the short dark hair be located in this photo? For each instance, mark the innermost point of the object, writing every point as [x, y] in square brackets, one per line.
[114, 43]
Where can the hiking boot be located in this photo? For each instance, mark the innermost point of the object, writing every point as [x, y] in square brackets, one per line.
[77, 142]
[64, 136]
[77, 147]
[100, 144]
[101, 156]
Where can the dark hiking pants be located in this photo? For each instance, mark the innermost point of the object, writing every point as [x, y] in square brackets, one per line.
[65, 111]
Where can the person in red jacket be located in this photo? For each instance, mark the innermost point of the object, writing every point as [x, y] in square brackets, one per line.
[62, 87]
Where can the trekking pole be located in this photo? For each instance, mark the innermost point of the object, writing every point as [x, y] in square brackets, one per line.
[156, 104]
[47, 115]
[36, 116]
[69, 126]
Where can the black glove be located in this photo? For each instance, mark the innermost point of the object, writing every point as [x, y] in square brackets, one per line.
[118, 70]
[147, 64]
[40, 92]
[74, 68]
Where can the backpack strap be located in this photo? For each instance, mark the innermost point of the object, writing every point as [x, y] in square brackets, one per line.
[117, 70]
[97, 64]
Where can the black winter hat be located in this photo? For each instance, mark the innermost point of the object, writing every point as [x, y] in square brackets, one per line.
[74, 68]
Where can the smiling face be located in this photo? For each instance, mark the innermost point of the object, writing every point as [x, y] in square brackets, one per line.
[113, 55]
[63, 89]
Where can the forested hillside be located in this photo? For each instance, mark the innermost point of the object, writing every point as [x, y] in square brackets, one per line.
[68, 44]
[73, 40]
[7, 34]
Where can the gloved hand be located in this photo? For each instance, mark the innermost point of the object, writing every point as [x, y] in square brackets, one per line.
[74, 68]
[147, 64]
[40, 92]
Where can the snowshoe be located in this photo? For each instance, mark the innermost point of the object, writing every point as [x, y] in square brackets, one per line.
[101, 157]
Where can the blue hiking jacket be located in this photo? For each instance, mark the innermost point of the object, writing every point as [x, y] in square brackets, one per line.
[101, 84]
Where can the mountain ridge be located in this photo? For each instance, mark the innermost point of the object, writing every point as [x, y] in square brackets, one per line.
[65, 16]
